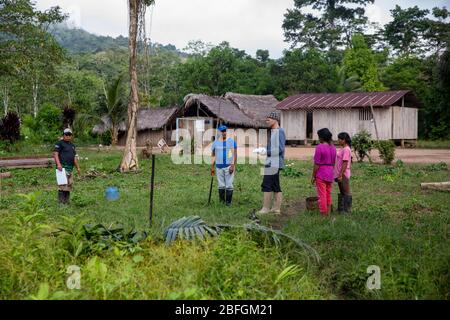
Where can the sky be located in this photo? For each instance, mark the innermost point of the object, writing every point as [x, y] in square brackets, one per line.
[246, 24]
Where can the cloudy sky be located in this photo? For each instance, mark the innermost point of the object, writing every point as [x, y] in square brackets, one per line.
[247, 24]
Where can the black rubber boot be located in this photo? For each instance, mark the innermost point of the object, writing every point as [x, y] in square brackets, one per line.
[222, 195]
[347, 204]
[340, 203]
[229, 197]
[66, 197]
[61, 197]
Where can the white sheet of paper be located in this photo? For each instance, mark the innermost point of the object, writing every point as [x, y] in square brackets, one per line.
[61, 177]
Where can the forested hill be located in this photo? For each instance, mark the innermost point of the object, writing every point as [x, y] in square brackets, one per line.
[81, 41]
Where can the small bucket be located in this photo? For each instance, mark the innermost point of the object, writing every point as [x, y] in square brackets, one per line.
[312, 203]
[112, 194]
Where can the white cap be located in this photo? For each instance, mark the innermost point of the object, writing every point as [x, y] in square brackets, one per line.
[67, 131]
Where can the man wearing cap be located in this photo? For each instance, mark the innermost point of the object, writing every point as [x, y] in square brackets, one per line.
[224, 157]
[274, 163]
[65, 157]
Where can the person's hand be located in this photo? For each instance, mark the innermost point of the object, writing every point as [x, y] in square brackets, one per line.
[79, 171]
[232, 168]
[60, 167]
[339, 179]
[313, 180]
[213, 171]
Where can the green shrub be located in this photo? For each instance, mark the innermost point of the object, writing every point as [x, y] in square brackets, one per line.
[363, 144]
[106, 138]
[387, 151]
[48, 123]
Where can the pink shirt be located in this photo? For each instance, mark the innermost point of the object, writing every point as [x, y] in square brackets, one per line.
[344, 154]
[325, 157]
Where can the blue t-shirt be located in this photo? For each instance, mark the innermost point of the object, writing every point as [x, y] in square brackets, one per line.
[224, 152]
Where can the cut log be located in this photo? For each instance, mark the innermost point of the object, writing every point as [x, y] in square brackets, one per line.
[24, 163]
[441, 186]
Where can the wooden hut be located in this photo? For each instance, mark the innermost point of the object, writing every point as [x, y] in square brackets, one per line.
[152, 123]
[395, 114]
[238, 111]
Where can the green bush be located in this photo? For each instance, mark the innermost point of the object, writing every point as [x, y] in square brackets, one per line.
[363, 144]
[48, 123]
[106, 138]
[387, 151]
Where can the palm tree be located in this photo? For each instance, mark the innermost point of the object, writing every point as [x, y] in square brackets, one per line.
[136, 10]
[345, 84]
[114, 110]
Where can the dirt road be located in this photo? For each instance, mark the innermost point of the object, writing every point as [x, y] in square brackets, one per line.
[406, 155]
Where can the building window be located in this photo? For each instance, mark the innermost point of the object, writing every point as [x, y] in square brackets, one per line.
[365, 114]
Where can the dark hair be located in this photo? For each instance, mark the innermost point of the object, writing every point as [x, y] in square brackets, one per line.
[345, 136]
[325, 135]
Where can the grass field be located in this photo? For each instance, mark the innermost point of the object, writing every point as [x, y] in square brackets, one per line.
[395, 225]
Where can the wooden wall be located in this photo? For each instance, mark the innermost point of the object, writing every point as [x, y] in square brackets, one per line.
[392, 122]
[405, 124]
[294, 124]
[153, 135]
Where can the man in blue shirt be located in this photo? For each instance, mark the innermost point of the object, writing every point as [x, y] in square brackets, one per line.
[224, 157]
[274, 163]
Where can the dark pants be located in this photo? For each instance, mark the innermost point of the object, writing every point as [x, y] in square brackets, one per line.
[344, 186]
[271, 180]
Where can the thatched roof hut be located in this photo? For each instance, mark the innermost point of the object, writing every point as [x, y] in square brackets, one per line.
[147, 119]
[234, 109]
[255, 107]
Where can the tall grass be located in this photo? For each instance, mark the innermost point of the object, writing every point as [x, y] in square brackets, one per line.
[394, 225]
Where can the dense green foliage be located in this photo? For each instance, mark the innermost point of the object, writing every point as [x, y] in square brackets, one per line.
[336, 50]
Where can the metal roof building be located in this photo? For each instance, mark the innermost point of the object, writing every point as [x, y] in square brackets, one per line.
[394, 112]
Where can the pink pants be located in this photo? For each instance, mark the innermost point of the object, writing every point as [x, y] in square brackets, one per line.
[324, 189]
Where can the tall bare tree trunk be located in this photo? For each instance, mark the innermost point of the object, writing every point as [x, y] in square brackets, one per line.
[5, 91]
[35, 96]
[130, 157]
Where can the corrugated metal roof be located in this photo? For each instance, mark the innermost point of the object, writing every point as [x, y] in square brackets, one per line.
[342, 100]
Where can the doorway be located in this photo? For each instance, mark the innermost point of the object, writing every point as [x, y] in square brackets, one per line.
[309, 125]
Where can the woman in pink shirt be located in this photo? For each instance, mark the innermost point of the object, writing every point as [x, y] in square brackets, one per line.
[342, 173]
[324, 159]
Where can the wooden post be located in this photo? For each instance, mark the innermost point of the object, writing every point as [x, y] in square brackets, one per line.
[152, 187]
[374, 120]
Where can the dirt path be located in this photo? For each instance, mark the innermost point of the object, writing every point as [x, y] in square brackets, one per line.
[406, 155]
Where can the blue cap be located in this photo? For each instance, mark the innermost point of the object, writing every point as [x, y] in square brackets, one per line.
[223, 128]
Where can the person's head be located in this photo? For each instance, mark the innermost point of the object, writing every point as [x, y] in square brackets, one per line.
[325, 135]
[273, 120]
[67, 135]
[344, 139]
[223, 131]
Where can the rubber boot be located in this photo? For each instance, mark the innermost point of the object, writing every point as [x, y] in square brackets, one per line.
[228, 197]
[66, 197]
[266, 203]
[61, 197]
[222, 195]
[277, 203]
[340, 203]
[348, 204]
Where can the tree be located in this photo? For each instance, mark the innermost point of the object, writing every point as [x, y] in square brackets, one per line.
[27, 50]
[330, 27]
[136, 19]
[305, 71]
[405, 33]
[113, 108]
[360, 61]
[438, 33]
